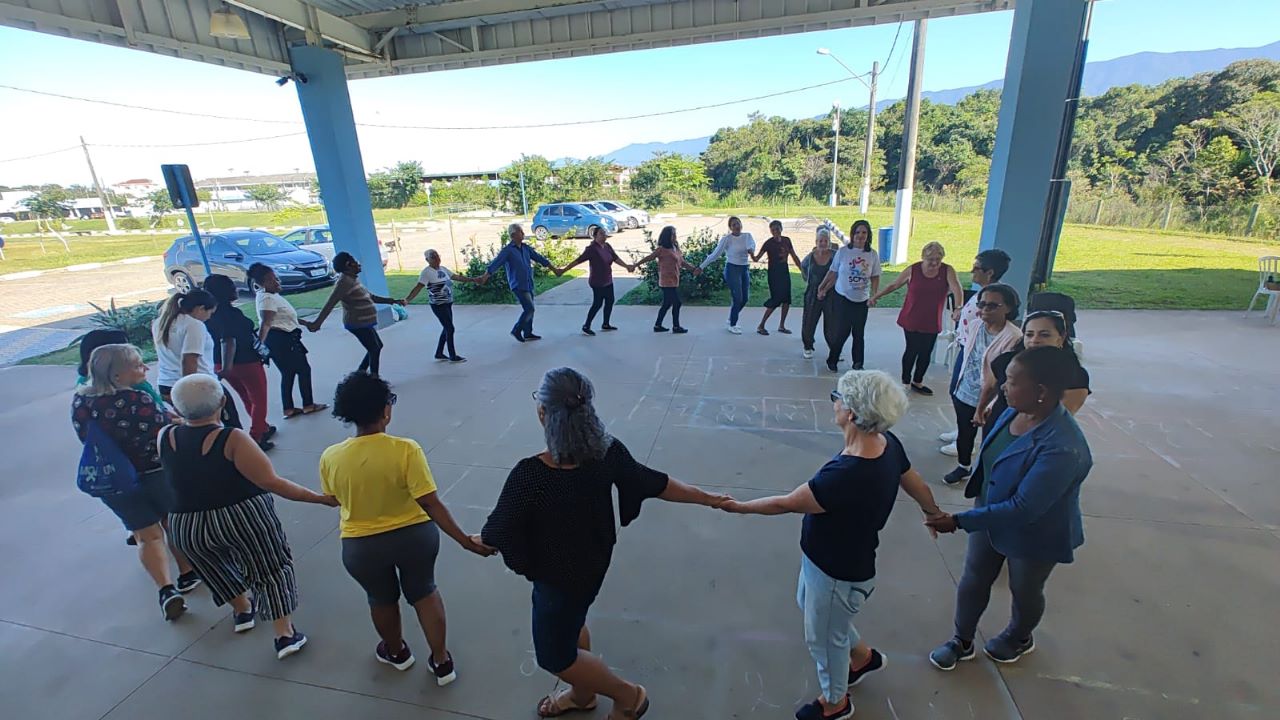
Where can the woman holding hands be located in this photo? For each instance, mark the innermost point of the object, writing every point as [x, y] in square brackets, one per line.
[779, 249]
[600, 258]
[928, 284]
[359, 313]
[670, 261]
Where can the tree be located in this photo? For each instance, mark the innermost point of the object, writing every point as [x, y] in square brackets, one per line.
[581, 180]
[394, 187]
[665, 176]
[160, 202]
[269, 195]
[1256, 123]
[47, 205]
[537, 183]
[1213, 171]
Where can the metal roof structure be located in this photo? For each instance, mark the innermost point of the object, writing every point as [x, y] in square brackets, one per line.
[394, 37]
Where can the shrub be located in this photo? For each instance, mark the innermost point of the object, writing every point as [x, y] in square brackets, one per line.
[130, 223]
[292, 214]
[134, 320]
[696, 247]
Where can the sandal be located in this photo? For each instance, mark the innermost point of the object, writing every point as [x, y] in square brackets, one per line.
[642, 706]
[784, 331]
[292, 413]
[557, 704]
[314, 408]
[762, 331]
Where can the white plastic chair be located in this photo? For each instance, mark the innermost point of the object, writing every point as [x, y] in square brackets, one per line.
[1268, 267]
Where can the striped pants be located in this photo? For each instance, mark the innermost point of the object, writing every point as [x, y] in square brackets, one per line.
[238, 548]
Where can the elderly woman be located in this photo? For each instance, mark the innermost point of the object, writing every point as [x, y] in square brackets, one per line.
[359, 313]
[223, 517]
[997, 307]
[1027, 508]
[1042, 328]
[130, 418]
[845, 505]
[554, 524]
[391, 522]
[815, 267]
[279, 330]
[928, 284]
[438, 281]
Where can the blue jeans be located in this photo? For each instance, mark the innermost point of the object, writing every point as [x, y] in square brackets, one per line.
[524, 324]
[982, 565]
[829, 606]
[739, 282]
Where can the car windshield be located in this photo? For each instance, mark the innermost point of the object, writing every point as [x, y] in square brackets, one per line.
[610, 206]
[258, 244]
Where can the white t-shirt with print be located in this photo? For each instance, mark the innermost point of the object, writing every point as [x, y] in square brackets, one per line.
[854, 270]
[285, 318]
[187, 336]
[439, 284]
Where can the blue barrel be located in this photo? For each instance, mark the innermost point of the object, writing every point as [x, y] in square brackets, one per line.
[886, 244]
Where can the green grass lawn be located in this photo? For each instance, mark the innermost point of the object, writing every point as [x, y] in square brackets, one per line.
[1101, 267]
[264, 218]
[70, 355]
[22, 254]
[400, 283]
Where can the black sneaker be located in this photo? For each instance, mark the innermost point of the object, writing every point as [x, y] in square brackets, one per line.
[1004, 649]
[857, 366]
[401, 661]
[189, 581]
[531, 336]
[957, 476]
[172, 603]
[270, 433]
[587, 331]
[286, 646]
[441, 356]
[246, 621]
[659, 328]
[444, 671]
[266, 445]
[677, 330]
[945, 656]
[831, 365]
[457, 358]
[877, 662]
[607, 326]
[516, 334]
[813, 711]
[922, 389]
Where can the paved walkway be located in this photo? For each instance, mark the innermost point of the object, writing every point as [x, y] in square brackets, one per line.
[1168, 613]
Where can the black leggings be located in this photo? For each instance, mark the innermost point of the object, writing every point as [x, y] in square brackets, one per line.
[670, 301]
[290, 357]
[368, 337]
[966, 431]
[851, 321]
[600, 296]
[918, 354]
[444, 313]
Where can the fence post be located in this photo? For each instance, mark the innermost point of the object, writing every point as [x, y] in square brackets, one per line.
[1253, 219]
[1097, 213]
[1168, 214]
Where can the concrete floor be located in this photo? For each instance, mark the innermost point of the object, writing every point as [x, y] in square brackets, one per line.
[1164, 615]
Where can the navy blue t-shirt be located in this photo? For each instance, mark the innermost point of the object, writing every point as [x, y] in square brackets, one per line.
[857, 495]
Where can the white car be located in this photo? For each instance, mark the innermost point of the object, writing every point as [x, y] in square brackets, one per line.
[627, 217]
[318, 239]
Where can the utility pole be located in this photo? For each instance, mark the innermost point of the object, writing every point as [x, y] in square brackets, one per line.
[907, 165]
[835, 155]
[864, 198]
[524, 201]
[102, 197]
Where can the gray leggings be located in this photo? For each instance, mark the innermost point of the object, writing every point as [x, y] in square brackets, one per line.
[982, 565]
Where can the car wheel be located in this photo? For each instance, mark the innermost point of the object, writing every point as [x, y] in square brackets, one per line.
[632, 223]
[541, 233]
[591, 231]
[182, 281]
[254, 287]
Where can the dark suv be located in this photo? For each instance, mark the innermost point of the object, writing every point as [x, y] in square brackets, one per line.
[232, 252]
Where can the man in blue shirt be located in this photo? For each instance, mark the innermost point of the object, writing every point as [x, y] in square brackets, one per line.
[515, 258]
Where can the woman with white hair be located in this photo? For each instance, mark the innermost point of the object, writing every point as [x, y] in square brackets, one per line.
[815, 266]
[928, 284]
[223, 517]
[554, 524]
[845, 505]
[130, 418]
[438, 281]
[514, 259]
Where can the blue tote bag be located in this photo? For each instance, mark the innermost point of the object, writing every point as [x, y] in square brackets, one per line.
[104, 468]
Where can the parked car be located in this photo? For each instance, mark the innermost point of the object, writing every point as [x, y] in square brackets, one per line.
[231, 254]
[570, 220]
[319, 239]
[628, 217]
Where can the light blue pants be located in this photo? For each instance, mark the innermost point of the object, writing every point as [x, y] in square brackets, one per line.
[829, 606]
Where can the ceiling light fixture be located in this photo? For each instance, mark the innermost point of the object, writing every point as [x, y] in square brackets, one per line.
[226, 24]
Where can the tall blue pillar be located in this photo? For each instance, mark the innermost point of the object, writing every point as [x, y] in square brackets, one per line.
[331, 130]
[1037, 84]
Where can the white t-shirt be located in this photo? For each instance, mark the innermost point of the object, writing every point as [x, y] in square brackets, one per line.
[854, 270]
[187, 336]
[969, 320]
[286, 318]
[735, 248]
[439, 284]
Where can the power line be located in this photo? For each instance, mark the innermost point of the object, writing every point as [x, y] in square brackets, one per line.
[894, 46]
[39, 155]
[202, 144]
[127, 106]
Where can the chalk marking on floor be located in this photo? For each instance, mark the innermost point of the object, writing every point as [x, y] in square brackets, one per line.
[1113, 687]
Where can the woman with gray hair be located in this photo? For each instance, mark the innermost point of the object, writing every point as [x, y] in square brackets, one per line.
[223, 517]
[554, 524]
[815, 266]
[438, 280]
[131, 418]
[845, 505]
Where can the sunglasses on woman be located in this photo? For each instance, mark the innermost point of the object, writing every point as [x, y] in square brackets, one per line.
[989, 305]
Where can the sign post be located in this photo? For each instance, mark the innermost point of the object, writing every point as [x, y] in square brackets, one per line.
[182, 192]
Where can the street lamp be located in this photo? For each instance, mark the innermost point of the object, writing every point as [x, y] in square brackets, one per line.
[864, 198]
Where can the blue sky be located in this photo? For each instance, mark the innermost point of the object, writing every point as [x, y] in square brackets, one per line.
[961, 51]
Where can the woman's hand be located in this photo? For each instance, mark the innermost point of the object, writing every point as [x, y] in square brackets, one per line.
[955, 315]
[477, 546]
[980, 417]
[733, 506]
[944, 523]
[327, 501]
[718, 501]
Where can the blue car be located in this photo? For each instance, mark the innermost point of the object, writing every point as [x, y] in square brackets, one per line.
[232, 252]
[570, 220]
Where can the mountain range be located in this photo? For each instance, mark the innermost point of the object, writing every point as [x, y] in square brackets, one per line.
[1146, 68]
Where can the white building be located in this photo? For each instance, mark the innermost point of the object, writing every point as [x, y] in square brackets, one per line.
[229, 193]
[11, 206]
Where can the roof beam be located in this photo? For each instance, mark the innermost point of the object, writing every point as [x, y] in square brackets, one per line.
[299, 14]
[472, 11]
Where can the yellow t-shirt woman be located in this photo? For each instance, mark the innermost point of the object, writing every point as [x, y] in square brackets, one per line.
[377, 480]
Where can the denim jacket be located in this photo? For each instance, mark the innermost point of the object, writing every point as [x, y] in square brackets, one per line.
[1031, 507]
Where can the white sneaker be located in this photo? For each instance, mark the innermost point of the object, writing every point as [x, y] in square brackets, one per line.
[949, 437]
[735, 329]
[808, 354]
[949, 450]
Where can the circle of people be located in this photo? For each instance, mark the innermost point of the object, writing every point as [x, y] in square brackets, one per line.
[195, 490]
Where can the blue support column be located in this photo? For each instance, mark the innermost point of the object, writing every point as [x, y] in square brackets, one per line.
[1038, 81]
[331, 130]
